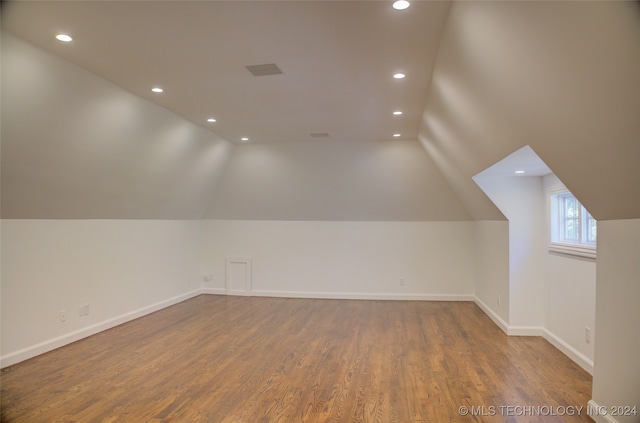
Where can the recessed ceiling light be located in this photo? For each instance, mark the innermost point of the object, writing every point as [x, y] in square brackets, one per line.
[397, 112]
[396, 135]
[211, 120]
[399, 75]
[519, 172]
[401, 4]
[157, 89]
[64, 37]
[244, 139]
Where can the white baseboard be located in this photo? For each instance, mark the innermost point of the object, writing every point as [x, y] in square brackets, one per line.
[49, 345]
[580, 359]
[506, 328]
[525, 331]
[569, 351]
[214, 291]
[361, 296]
[60, 341]
[492, 315]
[575, 355]
[599, 417]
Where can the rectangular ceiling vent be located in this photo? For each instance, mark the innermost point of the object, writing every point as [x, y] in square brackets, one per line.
[264, 70]
[319, 135]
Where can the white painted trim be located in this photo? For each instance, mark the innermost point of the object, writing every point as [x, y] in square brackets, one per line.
[561, 345]
[247, 282]
[66, 339]
[60, 341]
[362, 296]
[564, 248]
[572, 250]
[214, 291]
[492, 315]
[239, 294]
[580, 359]
[525, 331]
[592, 407]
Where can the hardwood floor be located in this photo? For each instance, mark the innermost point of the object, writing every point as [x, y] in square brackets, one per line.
[240, 359]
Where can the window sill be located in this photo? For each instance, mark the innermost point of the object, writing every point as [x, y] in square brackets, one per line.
[573, 250]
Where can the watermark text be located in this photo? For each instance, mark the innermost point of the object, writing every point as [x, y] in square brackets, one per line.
[546, 410]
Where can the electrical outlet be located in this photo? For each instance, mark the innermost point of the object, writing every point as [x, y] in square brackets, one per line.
[63, 316]
[587, 335]
[402, 282]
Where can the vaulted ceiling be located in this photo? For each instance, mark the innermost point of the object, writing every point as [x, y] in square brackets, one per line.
[337, 60]
[84, 136]
[561, 77]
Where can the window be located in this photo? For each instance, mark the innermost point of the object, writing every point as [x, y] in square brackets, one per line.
[573, 229]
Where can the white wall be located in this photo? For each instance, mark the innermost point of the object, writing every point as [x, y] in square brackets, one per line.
[121, 268]
[492, 269]
[75, 146]
[570, 297]
[127, 268]
[346, 259]
[520, 200]
[570, 303]
[616, 377]
[549, 294]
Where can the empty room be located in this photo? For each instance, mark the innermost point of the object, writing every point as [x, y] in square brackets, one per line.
[320, 211]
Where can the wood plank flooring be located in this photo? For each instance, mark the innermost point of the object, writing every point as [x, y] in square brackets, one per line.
[239, 359]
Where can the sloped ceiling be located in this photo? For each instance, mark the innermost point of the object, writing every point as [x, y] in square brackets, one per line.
[74, 146]
[483, 80]
[561, 77]
[338, 59]
[84, 136]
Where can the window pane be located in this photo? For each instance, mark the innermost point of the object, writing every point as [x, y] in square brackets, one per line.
[592, 230]
[571, 230]
[570, 207]
[571, 222]
[571, 218]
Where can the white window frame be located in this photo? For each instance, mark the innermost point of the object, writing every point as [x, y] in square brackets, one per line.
[556, 243]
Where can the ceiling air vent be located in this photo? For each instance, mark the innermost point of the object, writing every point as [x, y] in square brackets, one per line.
[319, 135]
[264, 70]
